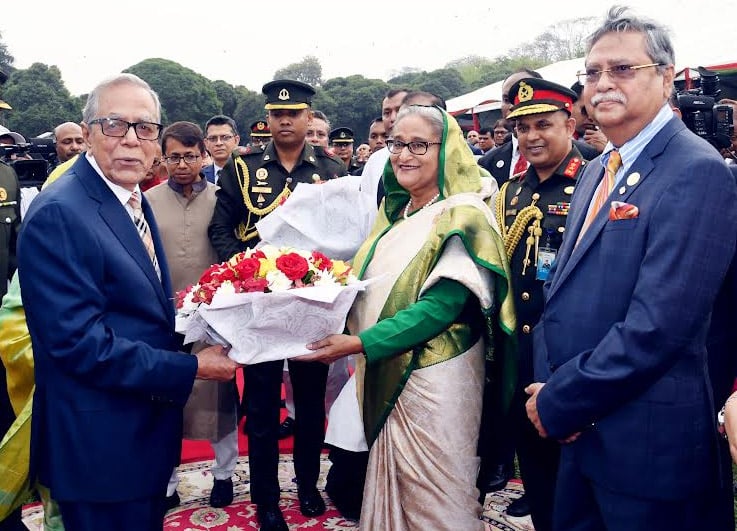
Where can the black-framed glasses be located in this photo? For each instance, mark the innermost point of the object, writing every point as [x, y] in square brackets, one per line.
[617, 73]
[174, 160]
[416, 148]
[219, 138]
[119, 128]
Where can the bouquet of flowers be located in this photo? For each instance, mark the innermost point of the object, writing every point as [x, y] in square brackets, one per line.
[268, 303]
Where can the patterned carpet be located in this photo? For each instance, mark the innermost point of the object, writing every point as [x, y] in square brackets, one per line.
[194, 514]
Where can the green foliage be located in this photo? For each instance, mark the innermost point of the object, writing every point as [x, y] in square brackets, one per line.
[184, 94]
[249, 108]
[308, 70]
[353, 102]
[40, 100]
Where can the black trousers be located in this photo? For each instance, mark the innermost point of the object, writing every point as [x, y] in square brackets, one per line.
[538, 463]
[262, 388]
[146, 514]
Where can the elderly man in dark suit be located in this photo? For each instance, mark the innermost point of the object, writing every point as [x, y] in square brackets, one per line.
[622, 341]
[110, 384]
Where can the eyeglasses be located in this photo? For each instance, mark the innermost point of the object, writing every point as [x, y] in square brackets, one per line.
[416, 148]
[119, 128]
[617, 73]
[220, 138]
[174, 160]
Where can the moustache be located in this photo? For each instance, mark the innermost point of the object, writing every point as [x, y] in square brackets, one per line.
[617, 97]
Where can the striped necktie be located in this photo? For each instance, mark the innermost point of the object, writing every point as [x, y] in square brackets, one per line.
[606, 185]
[143, 229]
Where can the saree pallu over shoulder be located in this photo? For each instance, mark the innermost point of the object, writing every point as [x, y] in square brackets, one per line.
[459, 244]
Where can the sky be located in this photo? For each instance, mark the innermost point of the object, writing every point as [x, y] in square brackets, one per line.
[245, 45]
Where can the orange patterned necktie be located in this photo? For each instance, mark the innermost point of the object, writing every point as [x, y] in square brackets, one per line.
[143, 229]
[602, 191]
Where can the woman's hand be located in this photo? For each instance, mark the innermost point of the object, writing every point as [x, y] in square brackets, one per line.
[730, 425]
[332, 348]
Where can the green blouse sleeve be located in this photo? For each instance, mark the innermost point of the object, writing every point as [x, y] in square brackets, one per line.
[438, 307]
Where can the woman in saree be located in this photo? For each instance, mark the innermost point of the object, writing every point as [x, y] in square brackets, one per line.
[439, 305]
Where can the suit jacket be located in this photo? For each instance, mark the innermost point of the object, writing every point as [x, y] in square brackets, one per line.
[496, 161]
[622, 338]
[209, 172]
[110, 386]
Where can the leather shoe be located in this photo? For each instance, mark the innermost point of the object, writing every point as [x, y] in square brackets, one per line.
[172, 501]
[310, 501]
[497, 479]
[286, 428]
[221, 494]
[519, 507]
[270, 518]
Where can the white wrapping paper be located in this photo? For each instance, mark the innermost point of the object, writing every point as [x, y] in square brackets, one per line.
[270, 326]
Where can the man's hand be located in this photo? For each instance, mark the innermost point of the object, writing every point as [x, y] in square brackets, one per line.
[596, 139]
[332, 348]
[213, 363]
[531, 407]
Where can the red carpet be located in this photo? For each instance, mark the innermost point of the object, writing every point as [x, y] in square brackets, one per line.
[193, 451]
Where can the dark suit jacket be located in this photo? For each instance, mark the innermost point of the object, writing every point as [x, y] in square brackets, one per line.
[110, 387]
[621, 342]
[496, 161]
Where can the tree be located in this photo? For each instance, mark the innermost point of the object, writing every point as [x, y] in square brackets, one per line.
[308, 71]
[352, 102]
[6, 60]
[185, 94]
[559, 42]
[40, 100]
[249, 108]
[227, 95]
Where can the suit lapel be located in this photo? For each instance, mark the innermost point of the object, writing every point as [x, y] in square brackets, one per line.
[120, 224]
[642, 168]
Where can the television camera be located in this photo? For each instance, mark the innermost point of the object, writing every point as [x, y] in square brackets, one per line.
[31, 171]
[700, 111]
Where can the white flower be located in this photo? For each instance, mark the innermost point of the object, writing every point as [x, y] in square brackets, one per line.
[325, 278]
[351, 279]
[226, 288]
[278, 281]
[271, 252]
[188, 306]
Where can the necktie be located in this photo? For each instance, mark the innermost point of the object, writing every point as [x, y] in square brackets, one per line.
[217, 176]
[521, 164]
[143, 230]
[602, 191]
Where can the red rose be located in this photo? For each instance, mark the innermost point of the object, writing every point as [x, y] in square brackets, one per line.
[247, 268]
[210, 273]
[227, 273]
[321, 261]
[258, 254]
[253, 284]
[293, 266]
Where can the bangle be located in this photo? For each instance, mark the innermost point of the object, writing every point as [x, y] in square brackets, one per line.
[721, 416]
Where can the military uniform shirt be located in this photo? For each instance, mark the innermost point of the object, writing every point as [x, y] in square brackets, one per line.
[253, 185]
[553, 198]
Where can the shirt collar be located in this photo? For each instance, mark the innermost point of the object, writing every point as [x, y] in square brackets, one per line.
[197, 186]
[630, 150]
[123, 194]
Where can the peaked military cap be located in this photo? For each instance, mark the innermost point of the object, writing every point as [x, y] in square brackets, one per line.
[341, 135]
[536, 96]
[287, 94]
[260, 128]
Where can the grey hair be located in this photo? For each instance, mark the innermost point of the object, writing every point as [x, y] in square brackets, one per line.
[658, 45]
[92, 107]
[432, 115]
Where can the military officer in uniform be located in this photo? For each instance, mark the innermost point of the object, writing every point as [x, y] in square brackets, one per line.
[341, 140]
[251, 186]
[260, 133]
[532, 209]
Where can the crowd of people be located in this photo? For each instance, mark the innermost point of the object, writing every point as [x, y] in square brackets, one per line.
[557, 289]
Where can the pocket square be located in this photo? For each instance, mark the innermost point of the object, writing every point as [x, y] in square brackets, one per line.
[621, 210]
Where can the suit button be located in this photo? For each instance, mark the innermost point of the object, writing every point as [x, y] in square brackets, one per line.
[526, 329]
[525, 296]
